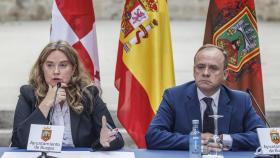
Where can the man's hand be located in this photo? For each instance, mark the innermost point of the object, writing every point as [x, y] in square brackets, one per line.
[205, 138]
[208, 144]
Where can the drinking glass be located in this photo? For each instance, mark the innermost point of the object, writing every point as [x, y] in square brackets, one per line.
[216, 140]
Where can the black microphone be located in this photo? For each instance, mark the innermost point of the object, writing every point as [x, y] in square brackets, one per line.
[58, 85]
[258, 107]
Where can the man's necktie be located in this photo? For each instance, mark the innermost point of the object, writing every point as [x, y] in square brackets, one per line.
[208, 122]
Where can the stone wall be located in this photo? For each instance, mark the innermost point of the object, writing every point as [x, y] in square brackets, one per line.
[11, 10]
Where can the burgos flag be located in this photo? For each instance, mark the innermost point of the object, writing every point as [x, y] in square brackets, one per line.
[232, 25]
[144, 66]
[74, 22]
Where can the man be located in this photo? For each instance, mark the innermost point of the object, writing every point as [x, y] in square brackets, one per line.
[198, 99]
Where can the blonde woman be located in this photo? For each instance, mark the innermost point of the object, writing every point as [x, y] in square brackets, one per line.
[78, 106]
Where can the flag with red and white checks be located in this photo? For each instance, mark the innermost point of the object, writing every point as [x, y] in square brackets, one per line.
[74, 22]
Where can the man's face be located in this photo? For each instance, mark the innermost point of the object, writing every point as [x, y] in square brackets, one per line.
[209, 70]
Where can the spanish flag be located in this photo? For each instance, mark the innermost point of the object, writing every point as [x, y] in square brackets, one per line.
[144, 67]
[232, 24]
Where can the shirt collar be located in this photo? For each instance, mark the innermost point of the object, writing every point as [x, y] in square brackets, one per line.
[215, 96]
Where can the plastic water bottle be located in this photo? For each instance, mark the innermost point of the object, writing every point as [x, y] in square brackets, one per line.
[195, 141]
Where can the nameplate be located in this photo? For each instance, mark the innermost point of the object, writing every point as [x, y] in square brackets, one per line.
[46, 138]
[269, 140]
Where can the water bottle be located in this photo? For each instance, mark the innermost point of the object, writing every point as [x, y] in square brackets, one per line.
[195, 141]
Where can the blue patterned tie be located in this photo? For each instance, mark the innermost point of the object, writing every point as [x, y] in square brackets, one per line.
[208, 122]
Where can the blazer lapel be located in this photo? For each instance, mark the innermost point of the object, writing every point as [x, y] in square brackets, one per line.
[75, 121]
[224, 109]
[193, 107]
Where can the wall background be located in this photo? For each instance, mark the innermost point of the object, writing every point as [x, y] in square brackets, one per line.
[25, 28]
[11, 10]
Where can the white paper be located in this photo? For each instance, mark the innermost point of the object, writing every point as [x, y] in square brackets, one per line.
[112, 154]
[63, 154]
[212, 156]
[72, 154]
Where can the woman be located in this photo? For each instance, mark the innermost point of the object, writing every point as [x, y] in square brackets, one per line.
[59, 76]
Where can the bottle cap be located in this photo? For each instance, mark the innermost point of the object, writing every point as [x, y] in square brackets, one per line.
[196, 122]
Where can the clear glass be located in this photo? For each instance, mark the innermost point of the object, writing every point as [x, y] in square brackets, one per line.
[216, 140]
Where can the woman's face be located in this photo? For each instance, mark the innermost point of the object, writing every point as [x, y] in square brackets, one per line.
[57, 68]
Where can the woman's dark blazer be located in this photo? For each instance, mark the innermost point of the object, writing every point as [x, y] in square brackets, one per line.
[85, 127]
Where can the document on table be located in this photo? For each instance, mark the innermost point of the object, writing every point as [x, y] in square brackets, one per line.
[72, 154]
[112, 154]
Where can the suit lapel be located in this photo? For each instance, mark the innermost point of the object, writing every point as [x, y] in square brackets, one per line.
[75, 120]
[224, 109]
[193, 110]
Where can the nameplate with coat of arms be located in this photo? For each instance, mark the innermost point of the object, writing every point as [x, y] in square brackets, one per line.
[46, 138]
[269, 140]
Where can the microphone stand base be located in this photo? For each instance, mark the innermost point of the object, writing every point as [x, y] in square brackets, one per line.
[44, 155]
[267, 156]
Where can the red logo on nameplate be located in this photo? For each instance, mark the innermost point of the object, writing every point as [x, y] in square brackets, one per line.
[274, 136]
[46, 134]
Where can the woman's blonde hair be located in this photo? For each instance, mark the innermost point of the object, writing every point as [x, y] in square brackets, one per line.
[79, 80]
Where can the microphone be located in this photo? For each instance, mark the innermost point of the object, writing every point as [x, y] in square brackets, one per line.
[258, 106]
[58, 85]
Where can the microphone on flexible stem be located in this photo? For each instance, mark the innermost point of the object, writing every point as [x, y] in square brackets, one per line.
[58, 85]
[262, 115]
[258, 107]
[44, 153]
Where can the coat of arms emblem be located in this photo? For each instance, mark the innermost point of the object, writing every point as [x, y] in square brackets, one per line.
[138, 21]
[274, 136]
[46, 134]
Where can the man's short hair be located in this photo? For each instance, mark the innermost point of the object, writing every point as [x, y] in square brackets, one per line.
[207, 46]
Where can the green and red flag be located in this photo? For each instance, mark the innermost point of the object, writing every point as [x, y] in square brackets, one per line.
[144, 66]
[232, 24]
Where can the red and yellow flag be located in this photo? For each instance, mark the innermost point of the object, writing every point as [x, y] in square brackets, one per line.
[232, 25]
[144, 66]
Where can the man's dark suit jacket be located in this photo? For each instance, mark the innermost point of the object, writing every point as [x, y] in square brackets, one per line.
[172, 124]
[85, 127]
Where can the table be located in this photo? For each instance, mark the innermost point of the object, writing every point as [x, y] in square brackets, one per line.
[144, 153]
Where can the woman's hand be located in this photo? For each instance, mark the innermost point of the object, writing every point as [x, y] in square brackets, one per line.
[47, 102]
[107, 135]
[61, 94]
